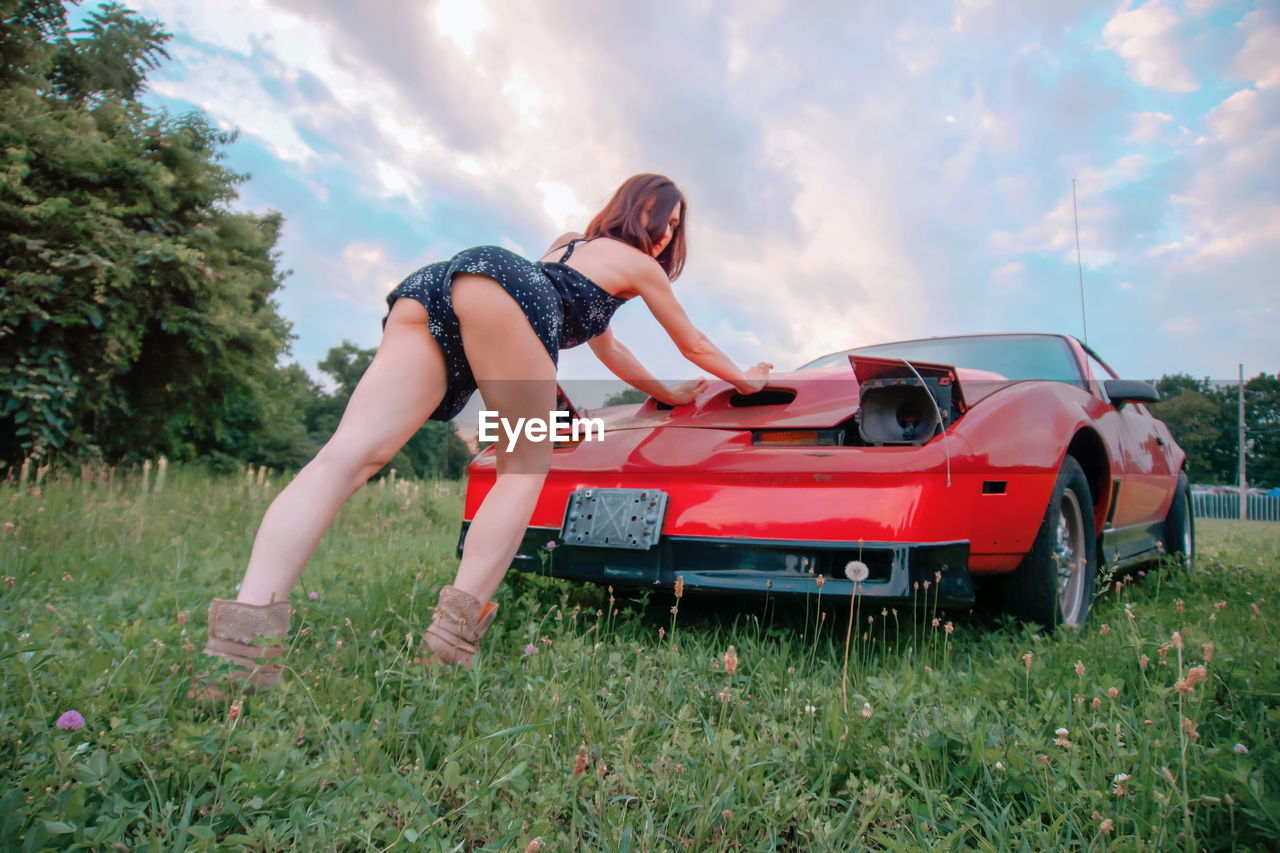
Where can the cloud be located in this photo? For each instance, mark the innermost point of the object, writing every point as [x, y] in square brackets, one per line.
[1010, 275]
[1259, 59]
[1092, 205]
[1229, 206]
[367, 274]
[853, 174]
[1238, 118]
[1149, 127]
[1180, 326]
[1147, 38]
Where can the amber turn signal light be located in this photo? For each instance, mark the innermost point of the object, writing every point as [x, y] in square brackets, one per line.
[795, 438]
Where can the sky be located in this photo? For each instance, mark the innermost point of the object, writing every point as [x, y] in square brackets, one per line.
[856, 172]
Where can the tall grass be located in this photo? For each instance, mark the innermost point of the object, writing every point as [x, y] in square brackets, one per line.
[589, 724]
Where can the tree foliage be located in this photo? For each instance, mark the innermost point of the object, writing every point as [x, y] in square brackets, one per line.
[1204, 420]
[627, 395]
[136, 307]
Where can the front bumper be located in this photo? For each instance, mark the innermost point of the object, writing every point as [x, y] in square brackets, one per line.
[933, 574]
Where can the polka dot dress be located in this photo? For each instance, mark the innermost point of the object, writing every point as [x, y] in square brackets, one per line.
[564, 307]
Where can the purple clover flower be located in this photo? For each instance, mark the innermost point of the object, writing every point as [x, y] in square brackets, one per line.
[530, 649]
[551, 546]
[313, 595]
[70, 721]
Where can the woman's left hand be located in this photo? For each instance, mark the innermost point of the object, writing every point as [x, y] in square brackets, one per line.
[685, 392]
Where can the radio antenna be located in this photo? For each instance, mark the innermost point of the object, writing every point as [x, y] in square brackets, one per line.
[1079, 266]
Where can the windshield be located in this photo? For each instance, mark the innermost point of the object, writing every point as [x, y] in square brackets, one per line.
[1012, 356]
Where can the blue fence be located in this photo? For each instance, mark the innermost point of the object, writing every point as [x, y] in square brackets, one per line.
[1209, 505]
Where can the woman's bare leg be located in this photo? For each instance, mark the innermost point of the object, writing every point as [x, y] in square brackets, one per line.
[517, 379]
[403, 385]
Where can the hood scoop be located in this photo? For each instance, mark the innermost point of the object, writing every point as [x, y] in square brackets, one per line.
[811, 399]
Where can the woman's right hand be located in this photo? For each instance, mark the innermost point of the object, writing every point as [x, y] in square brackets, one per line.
[757, 376]
[685, 392]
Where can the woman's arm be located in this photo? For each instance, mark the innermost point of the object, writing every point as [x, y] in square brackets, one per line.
[693, 344]
[623, 364]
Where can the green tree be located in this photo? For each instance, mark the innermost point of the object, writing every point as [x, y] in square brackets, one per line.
[628, 395]
[136, 315]
[1262, 429]
[1193, 419]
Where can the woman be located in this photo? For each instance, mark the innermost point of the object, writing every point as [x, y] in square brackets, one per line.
[491, 319]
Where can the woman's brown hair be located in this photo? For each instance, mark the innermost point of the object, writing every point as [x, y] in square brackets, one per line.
[622, 219]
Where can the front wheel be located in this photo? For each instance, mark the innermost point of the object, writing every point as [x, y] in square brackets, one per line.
[1180, 526]
[1054, 583]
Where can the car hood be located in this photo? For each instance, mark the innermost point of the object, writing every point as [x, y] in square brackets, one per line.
[803, 399]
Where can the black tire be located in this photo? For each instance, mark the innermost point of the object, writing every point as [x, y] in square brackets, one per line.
[1054, 583]
[1180, 526]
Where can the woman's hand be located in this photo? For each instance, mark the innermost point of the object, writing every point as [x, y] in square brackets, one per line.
[685, 392]
[757, 376]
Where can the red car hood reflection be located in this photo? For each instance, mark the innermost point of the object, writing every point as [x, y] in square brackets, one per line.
[809, 399]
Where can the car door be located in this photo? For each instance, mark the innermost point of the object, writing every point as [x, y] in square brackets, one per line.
[1144, 482]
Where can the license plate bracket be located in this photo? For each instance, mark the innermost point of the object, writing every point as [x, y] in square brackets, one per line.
[614, 518]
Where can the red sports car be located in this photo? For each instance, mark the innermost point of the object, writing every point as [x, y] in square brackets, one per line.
[912, 472]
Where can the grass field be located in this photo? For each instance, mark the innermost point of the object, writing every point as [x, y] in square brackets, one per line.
[590, 724]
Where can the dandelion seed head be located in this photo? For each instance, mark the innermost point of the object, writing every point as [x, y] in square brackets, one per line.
[857, 571]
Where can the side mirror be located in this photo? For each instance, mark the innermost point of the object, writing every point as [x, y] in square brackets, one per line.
[1121, 391]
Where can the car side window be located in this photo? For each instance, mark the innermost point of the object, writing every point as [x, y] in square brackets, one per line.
[1099, 371]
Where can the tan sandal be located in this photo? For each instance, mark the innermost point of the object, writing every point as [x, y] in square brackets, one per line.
[239, 632]
[459, 623]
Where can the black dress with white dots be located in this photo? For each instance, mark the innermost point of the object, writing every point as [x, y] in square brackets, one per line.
[564, 307]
